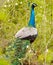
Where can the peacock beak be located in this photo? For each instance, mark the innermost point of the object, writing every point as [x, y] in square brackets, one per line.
[34, 5]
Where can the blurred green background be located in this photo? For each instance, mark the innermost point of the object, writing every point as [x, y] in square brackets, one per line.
[15, 14]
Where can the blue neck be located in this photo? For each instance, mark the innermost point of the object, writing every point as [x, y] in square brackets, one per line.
[32, 19]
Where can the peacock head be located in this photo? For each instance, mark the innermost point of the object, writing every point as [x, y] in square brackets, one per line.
[34, 5]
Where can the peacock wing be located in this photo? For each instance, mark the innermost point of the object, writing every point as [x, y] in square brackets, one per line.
[25, 32]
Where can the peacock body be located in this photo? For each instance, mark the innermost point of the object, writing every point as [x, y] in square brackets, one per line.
[29, 32]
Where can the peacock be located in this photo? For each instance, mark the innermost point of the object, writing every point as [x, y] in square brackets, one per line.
[29, 32]
[23, 39]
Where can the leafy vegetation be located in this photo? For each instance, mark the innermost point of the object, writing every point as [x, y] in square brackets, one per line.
[14, 14]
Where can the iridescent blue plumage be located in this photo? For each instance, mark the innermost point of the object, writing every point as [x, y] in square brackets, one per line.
[32, 18]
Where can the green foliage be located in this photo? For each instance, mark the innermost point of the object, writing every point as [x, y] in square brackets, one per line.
[3, 61]
[14, 14]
